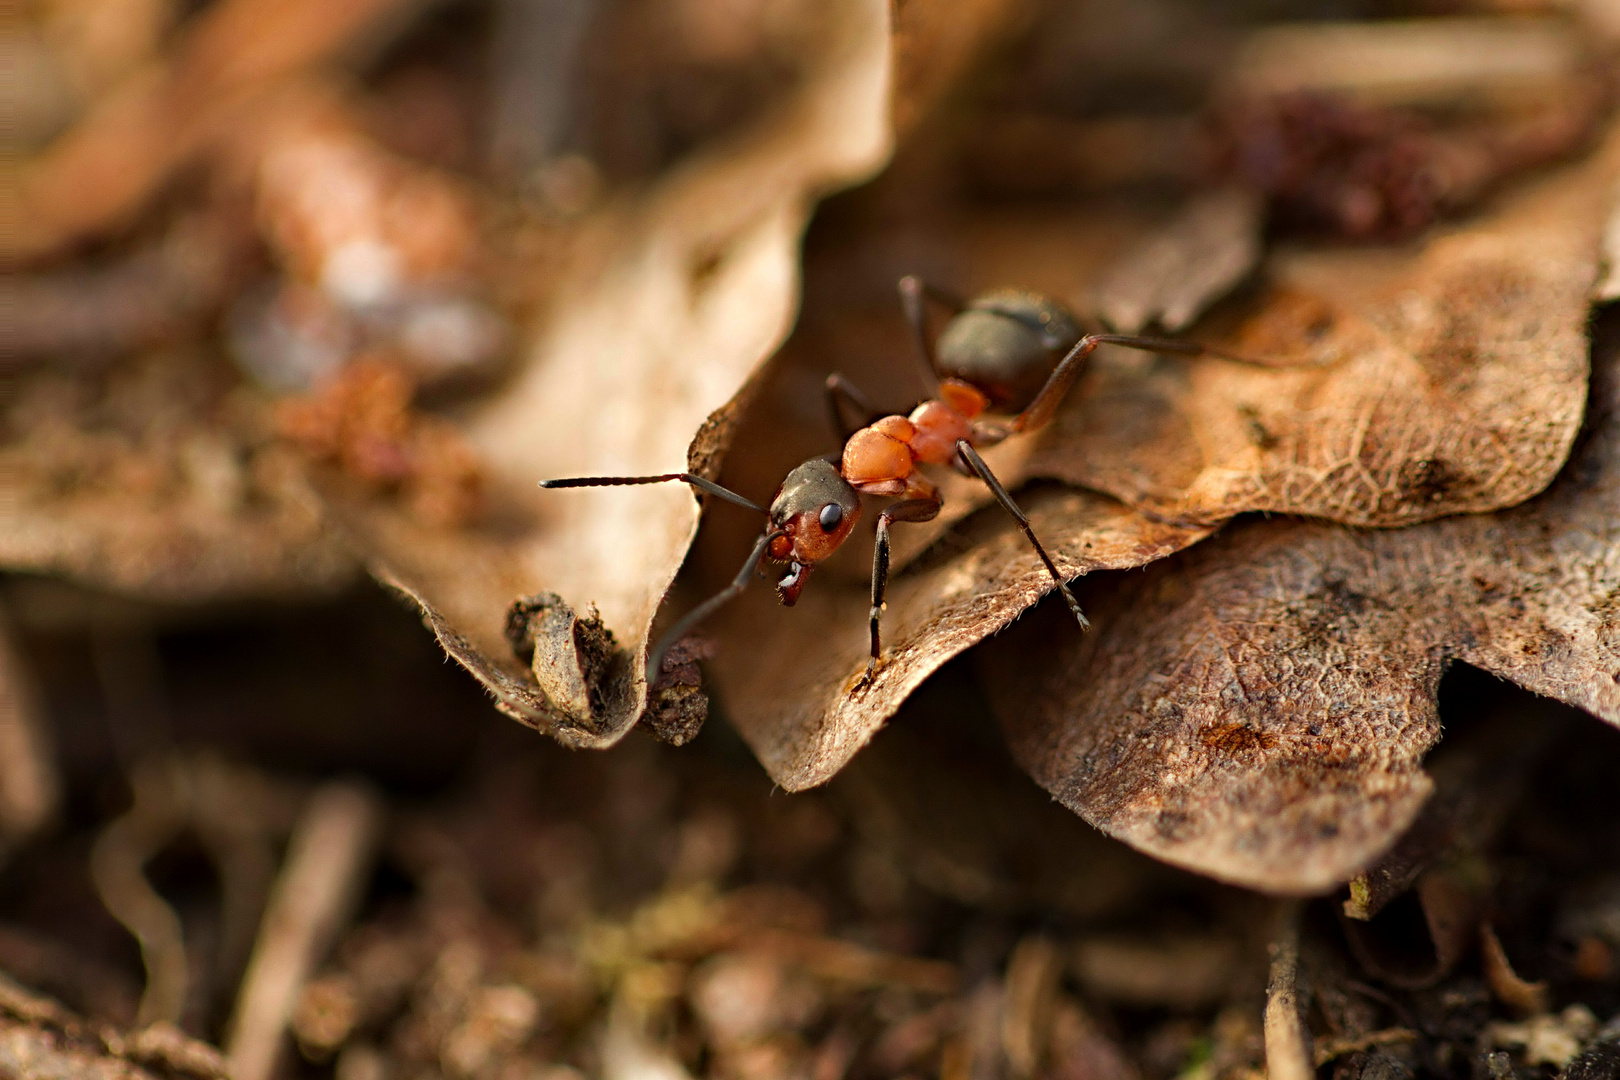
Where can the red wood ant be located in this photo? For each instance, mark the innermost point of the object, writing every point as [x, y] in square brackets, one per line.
[1006, 354]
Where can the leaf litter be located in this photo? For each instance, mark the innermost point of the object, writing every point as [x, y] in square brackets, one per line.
[927, 912]
[1445, 376]
[515, 945]
[1407, 401]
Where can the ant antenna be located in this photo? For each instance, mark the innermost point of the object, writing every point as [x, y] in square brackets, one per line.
[655, 659]
[685, 477]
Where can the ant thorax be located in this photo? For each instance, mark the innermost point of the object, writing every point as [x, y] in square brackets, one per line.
[888, 451]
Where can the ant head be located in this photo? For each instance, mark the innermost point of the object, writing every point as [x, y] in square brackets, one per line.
[815, 511]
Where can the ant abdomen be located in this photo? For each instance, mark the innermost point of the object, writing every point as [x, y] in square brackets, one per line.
[1006, 343]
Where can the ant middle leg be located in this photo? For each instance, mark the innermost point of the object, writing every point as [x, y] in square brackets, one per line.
[913, 511]
[976, 463]
[842, 392]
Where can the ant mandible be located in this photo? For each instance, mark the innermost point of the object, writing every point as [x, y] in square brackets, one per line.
[1008, 354]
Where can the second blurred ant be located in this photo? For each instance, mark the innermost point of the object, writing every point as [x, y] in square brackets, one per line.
[1007, 354]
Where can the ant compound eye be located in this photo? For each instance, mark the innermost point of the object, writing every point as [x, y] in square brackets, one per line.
[832, 515]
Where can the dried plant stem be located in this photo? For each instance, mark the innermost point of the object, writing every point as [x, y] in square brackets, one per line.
[1026, 1018]
[326, 861]
[116, 867]
[28, 780]
[1423, 61]
[1288, 1044]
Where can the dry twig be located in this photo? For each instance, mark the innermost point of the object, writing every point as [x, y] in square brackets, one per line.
[29, 787]
[326, 861]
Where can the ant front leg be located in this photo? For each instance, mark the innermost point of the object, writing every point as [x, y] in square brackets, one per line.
[977, 464]
[913, 291]
[841, 392]
[911, 510]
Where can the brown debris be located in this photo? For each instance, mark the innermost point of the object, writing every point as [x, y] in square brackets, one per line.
[1523, 997]
[1181, 971]
[117, 864]
[1170, 277]
[565, 910]
[363, 423]
[1436, 61]
[677, 705]
[158, 480]
[1451, 898]
[394, 265]
[1033, 972]
[39, 1038]
[398, 225]
[84, 316]
[1594, 960]
[1368, 172]
[935, 44]
[1479, 775]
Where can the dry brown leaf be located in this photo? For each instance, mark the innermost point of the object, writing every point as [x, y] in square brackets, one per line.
[1456, 382]
[792, 679]
[675, 301]
[1445, 376]
[1451, 378]
[1258, 709]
